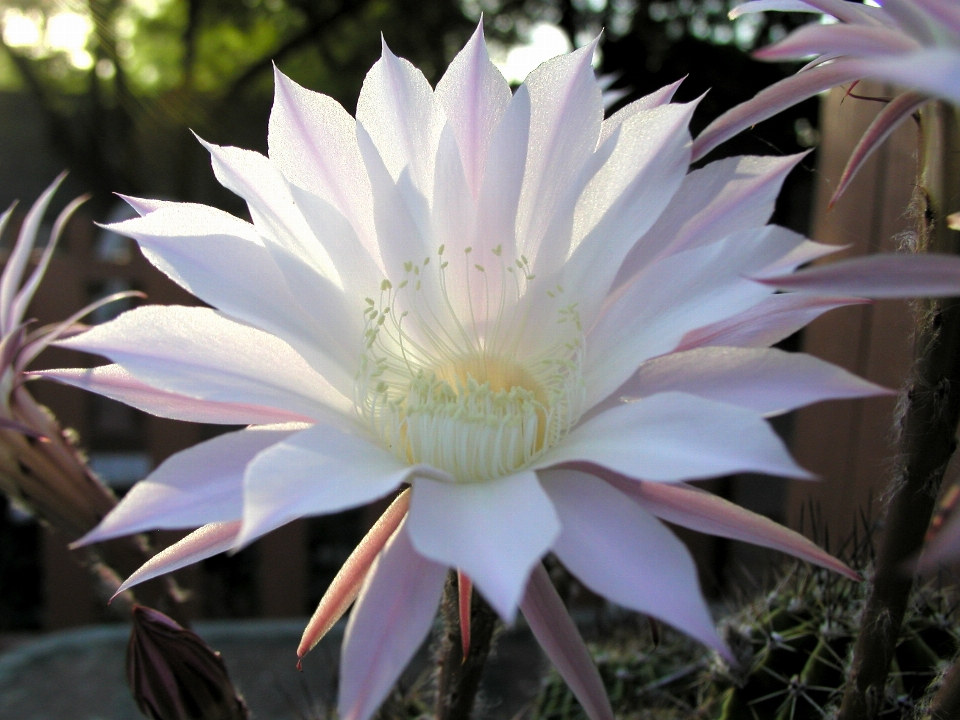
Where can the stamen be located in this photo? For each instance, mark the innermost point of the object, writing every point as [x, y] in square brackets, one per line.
[444, 389]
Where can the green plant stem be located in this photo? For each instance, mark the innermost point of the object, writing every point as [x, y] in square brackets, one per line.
[927, 423]
[459, 676]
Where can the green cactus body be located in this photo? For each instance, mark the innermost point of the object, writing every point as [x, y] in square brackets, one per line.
[794, 645]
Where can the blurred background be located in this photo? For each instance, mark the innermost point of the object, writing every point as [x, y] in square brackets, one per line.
[113, 89]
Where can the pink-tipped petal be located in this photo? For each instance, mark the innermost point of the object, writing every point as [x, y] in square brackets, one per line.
[804, 253]
[674, 436]
[39, 340]
[877, 276]
[392, 617]
[116, 383]
[771, 100]
[553, 628]
[766, 380]
[944, 13]
[815, 39]
[758, 6]
[495, 531]
[721, 198]
[840, 9]
[649, 315]
[464, 598]
[202, 543]
[933, 70]
[911, 19]
[189, 244]
[886, 121]
[25, 295]
[197, 352]
[704, 512]
[17, 262]
[346, 585]
[620, 551]
[767, 323]
[197, 486]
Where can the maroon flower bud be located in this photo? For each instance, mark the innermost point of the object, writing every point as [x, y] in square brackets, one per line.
[174, 675]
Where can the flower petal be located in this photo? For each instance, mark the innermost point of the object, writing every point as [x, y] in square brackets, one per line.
[454, 224]
[768, 322]
[25, 296]
[313, 142]
[202, 543]
[254, 178]
[397, 109]
[502, 183]
[474, 96]
[400, 236]
[553, 628]
[566, 112]
[886, 121]
[358, 262]
[626, 196]
[117, 384]
[765, 380]
[655, 99]
[704, 512]
[932, 70]
[620, 551]
[757, 6]
[911, 18]
[320, 470]
[199, 485]
[17, 261]
[771, 100]
[345, 587]
[196, 352]
[392, 617]
[941, 14]
[888, 275]
[679, 293]
[494, 531]
[213, 255]
[144, 206]
[674, 436]
[721, 198]
[840, 9]
[816, 39]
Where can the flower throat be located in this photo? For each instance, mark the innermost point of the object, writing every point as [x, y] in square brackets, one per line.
[440, 381]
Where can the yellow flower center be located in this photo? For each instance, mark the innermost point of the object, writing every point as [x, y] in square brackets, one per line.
[437, 391]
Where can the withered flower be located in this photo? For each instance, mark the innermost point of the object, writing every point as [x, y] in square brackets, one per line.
[175, 675]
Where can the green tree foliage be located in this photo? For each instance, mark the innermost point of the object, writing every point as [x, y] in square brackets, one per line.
[123, 82]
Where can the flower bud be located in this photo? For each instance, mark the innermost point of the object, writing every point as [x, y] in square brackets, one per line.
[175, 675]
